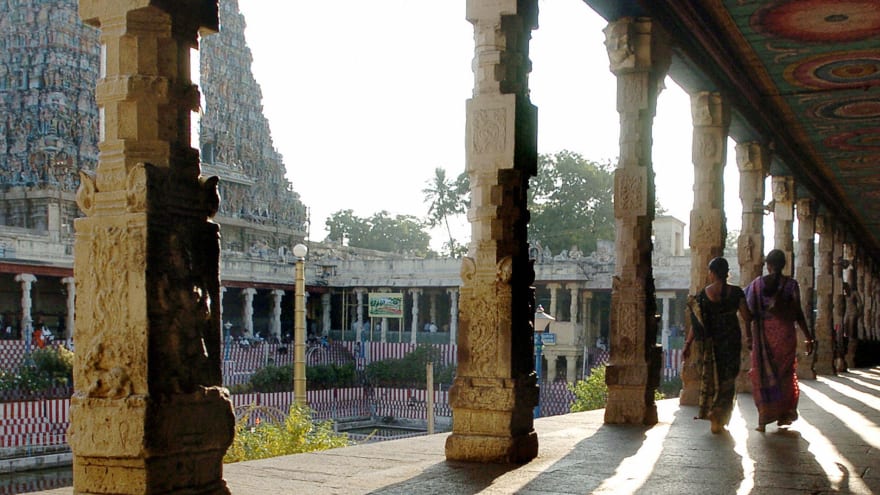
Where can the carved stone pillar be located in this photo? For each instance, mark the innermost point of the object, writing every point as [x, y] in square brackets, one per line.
[494, 391]
[570, 368]
[553, 288]
[573, 290]
[359, 294]
[247, 296]
[823, 362]
[805, 275]
[27, 281]
[783, 219]
[839, 300]
[552, 358]
[870, 300]
[855, 282]
[432, 306]
[589, 335]
[69, 317]
[277, 295]
[326, 311]
[414, 328]
[639, 55]
[148, 414]
[453, 314]
[753, 161]
[708, 230]
[222, 294]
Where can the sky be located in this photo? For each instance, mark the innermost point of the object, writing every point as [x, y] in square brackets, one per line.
[366, 99]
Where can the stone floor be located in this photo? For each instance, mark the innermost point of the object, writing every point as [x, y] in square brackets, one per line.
[833, 448]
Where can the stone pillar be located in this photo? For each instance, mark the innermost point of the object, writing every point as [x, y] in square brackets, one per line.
[222, 293]
[838, 299]
[148, 413]
[247, 296]
[783, 219]
[664, 319]
[275, 330]
[824, 356]
[494, 392]
[805, 274]
[414, 328]
[854, 281]
[639, 55]
[551, 366]
[708, 230]
[69, 317]
[453, 315]
[753, 162]
[589, 334]
[326, 311]
[359, 294]
[573, 289]
[553, 287]
[570, 368]
[432, 307]
[869, 297]
[27, 281]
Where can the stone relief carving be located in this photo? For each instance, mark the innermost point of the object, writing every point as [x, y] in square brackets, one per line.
[621, 53]
[490, 130]
[468, 270]
[491, 398]
[85, 194]
[136, 189]
[630, 188]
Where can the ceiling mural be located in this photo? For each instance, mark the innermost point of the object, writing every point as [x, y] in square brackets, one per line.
[823, 59]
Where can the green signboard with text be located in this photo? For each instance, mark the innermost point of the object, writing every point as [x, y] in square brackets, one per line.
[386, 305]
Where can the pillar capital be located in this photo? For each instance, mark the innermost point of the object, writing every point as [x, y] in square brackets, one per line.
[753, 157]
[637, 45]
[25, 278]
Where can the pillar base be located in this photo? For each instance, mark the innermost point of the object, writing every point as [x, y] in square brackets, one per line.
[630, 395]
[487, 449]
[136, 445]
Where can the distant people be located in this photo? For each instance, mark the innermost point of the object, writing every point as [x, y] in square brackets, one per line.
[600, 344]
[775, 302]
[715, 324]
[432, 327]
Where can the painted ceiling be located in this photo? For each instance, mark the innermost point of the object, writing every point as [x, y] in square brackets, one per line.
[803, 75]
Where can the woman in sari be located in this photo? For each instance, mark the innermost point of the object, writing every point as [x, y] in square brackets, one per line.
[774, 300]
[715, 323]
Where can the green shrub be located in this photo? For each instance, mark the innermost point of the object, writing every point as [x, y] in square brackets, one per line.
[590, 393]
[56, 363]
[46, 368]
[298, 433]
[326, 376]
[273, 379]
[410, 371]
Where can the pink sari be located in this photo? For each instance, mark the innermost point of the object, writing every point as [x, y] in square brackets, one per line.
[774, 354]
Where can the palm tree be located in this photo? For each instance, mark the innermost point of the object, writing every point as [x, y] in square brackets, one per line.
[445, 199]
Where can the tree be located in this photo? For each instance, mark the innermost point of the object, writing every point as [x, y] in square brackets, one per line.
[446, 198]
[571, 202]
[399, 234]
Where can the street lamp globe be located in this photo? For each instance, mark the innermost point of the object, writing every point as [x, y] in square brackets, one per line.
[300, 250]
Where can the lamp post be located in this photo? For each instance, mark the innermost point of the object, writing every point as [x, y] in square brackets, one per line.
[299, 326]
[540, 317]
